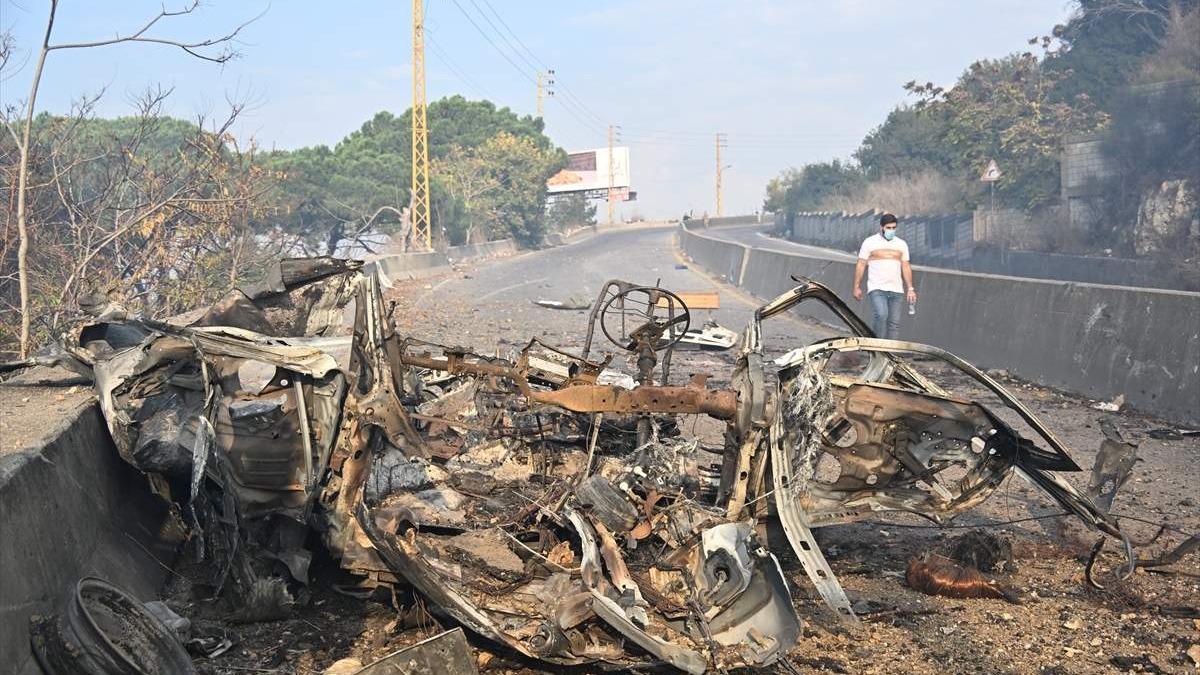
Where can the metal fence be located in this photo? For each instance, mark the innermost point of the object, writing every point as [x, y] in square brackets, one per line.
[948, 242]
[932, 240]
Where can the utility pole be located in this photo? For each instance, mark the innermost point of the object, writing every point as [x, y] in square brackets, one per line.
[611, 132]
[546, 92]
[720, 167]
[422, 233]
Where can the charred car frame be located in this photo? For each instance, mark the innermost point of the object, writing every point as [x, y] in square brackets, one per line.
[544, 500]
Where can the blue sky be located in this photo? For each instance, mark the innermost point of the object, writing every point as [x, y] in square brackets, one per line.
[788, 82]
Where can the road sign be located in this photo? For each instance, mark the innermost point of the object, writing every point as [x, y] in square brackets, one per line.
[992, 173]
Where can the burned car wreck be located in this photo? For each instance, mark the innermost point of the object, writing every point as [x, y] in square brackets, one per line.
[545, 500]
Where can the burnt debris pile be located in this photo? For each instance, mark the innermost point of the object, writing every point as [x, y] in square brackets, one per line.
[545, 500]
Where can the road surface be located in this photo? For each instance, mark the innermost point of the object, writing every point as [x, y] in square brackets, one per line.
[756, 236]
[492, 304]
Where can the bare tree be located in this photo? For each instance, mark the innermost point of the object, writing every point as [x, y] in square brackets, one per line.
[1157, 18]
[155, 213]
[354, 227]
[217, 50]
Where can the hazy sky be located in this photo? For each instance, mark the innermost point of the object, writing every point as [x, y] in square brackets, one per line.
[789, 82]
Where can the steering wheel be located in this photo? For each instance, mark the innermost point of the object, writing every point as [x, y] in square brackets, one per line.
[659, 316]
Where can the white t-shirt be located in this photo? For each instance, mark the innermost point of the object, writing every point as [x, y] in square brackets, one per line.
[883, 262]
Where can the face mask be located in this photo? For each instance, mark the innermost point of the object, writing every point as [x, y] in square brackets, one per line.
[889, 234]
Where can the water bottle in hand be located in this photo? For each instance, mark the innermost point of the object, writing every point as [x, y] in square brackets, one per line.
[912, 307]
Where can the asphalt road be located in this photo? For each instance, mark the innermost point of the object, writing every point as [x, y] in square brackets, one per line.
[492, 304]
[756, 236]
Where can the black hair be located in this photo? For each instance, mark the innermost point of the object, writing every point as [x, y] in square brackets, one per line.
[886, 219]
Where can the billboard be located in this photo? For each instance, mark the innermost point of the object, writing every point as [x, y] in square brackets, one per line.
[587, 171]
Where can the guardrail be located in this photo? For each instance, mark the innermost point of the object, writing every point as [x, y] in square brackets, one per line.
[1095, 340]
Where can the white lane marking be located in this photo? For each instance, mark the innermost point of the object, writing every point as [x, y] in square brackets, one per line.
[508, 288]
[431, 291]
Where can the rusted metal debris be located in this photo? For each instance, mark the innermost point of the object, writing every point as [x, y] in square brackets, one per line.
[967, 570]
[99, 629]
[538, 500]
[936, 575]
[1113, 466]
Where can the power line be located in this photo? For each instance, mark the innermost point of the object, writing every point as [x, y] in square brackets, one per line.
[571, 95]
[515, 37]
[572, 110]
[576, 108]
[449, 63]
[494, 45]
[532, 66]
[589, 126]
[580, 106]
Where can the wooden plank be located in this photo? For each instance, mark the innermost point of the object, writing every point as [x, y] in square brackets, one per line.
[697, 299]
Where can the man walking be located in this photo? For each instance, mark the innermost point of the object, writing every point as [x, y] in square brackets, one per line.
[884, 257]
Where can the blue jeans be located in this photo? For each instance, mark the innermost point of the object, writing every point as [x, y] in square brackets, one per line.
[887, 306]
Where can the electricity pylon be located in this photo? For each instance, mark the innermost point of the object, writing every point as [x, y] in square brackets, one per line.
[419, 213]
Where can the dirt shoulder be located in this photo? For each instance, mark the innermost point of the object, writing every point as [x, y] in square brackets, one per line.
[35, 404]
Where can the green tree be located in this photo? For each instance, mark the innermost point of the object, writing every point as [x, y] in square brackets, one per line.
[568, 211]
[502, 184]
[468, 180]
[812, 186]
[1154, 136]
[1104, 44]
[335, 193]
[910, 141]
[1003, 110]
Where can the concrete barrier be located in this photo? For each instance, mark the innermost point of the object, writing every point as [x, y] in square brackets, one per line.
[1098, 341]
[1105, 271]
[72, 508]
[588, 231]
[410, 265]
[717, 256]
[482, 249]
[418, 264]
[731, 220]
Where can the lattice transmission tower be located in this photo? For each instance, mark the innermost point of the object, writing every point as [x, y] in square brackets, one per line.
[422, 232]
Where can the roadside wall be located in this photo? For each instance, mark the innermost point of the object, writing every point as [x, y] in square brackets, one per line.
[1015, 230]
[1098, 341]
[482, 249]
[1038, 265]
[417, 264]
[588, 231]
[732, 220]
[410, 265]
[72, 508]
[1084, 169]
